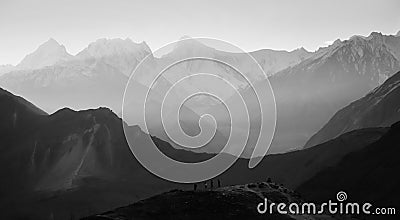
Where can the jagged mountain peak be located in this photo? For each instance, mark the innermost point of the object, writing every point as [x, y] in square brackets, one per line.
[47, 54]
[51, 42]
[301, 52]
[374, 39]
[107, 47]
[302, 49]
[372, 35]
[337, 41]
[99, 112]
[357, 50]
[375, 34]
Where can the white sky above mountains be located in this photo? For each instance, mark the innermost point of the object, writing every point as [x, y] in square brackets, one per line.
[251, 25]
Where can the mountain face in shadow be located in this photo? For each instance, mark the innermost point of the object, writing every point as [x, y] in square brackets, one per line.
[78, 162]
[16, 114]
[379, 108]
[58, 164]
[56, 150]
[367, 175]
[293, 168]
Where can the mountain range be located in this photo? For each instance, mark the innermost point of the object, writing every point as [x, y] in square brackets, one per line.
[107, 63]
[337, 127]
[63, 164]
[309, 87]
[308, 94]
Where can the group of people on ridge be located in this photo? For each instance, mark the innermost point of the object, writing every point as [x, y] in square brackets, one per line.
[206, 185]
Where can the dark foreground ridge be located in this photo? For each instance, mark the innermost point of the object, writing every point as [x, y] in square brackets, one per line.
[231, 202]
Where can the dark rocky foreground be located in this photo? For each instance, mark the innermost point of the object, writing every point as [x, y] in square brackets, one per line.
[232, 202]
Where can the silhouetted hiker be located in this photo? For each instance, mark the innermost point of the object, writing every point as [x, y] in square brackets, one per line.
[212, 184]
[219, 183]
[195, 187]
[269, 180]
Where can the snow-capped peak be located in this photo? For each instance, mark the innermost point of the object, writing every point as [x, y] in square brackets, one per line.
[357, 43]
[47, 54]
[109, 47]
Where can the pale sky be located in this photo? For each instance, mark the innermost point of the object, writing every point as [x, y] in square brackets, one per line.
[251, 24]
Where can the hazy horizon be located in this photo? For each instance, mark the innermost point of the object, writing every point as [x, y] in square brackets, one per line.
[278, 25]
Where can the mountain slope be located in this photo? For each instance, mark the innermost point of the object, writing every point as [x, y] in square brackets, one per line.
[6, 68]
[16, 115]
[273, 61]
[379, 108]
[55, 164]
[369, 174]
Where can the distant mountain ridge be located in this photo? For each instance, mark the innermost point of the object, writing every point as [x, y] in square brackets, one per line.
[51, 66]
[51, 53]
[309, 87]
[309, 93]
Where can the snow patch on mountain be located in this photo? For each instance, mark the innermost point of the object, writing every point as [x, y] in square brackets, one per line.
[123, 55]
